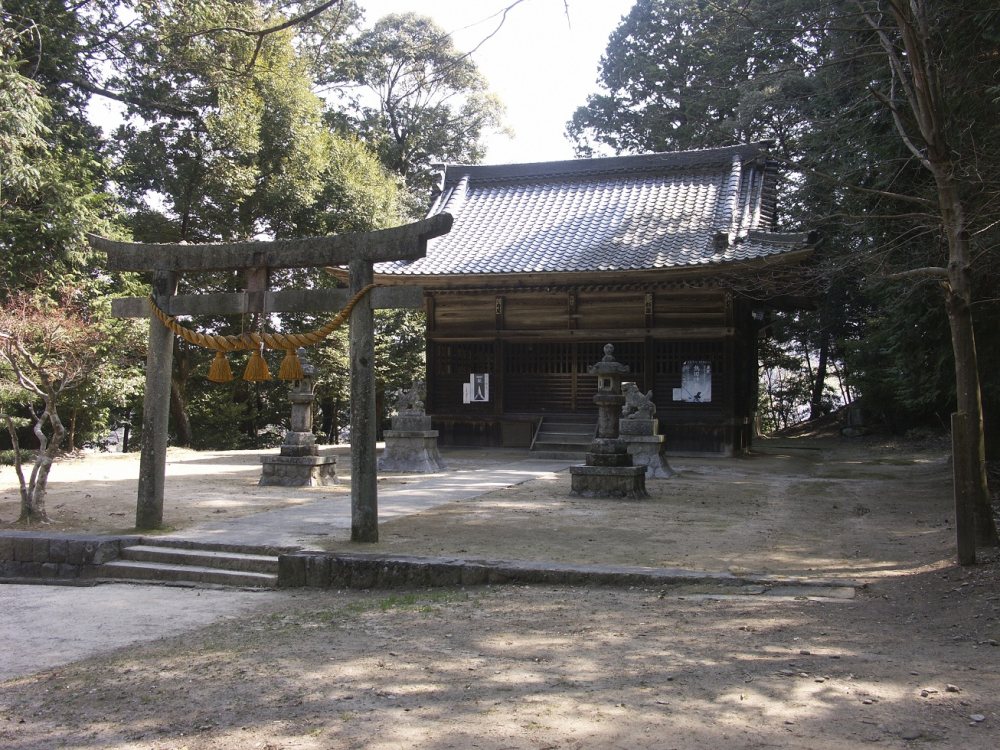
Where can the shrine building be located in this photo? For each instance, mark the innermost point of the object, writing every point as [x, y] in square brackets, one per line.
[663, 255]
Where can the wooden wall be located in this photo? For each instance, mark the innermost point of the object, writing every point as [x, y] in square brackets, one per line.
[537, 345]
[510, 312]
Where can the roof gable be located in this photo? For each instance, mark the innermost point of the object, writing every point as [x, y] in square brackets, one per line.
[655, 211]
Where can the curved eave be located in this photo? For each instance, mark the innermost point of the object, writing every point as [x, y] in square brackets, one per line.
[577, 278]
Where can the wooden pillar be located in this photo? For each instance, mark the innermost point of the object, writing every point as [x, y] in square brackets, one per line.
[497, 378]
[364, 476]
[156, 411]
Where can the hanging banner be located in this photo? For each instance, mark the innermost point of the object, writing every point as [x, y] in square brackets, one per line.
[696, 382]
[477, 390]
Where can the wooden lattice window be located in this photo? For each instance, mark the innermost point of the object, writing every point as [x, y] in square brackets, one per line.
[462, 359]
[669, 356]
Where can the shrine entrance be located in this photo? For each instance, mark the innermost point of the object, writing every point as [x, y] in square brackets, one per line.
[359, 252]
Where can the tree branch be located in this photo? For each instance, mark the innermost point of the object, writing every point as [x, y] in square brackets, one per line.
[261, 33]
[162, 107]
[928, 272]
[18, 469]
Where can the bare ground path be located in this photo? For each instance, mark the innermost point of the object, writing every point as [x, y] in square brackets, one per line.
[911, 662]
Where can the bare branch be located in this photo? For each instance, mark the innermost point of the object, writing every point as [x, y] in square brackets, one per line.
[261, 33]
[928, 272]
[163, 107]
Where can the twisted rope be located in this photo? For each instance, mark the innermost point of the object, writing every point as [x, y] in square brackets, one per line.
[248, 341]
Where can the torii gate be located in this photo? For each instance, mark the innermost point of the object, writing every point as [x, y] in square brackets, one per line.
[359, 252]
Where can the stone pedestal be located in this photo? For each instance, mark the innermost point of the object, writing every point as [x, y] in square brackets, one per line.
[645, 446]
[299, 464]
[298, 471]
[609, 471]
[411, 445]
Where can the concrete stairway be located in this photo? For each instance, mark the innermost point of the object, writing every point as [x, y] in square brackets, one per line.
[190, 563]
[564, 436]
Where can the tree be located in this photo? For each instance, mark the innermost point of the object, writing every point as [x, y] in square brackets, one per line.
[415, 98]
[927, 47]
[46, 351]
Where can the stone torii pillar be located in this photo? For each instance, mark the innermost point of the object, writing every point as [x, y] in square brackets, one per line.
[358, 251]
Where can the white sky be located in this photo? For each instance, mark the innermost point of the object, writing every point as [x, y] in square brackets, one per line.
[540, 65]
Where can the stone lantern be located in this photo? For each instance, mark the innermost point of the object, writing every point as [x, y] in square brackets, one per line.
[609, 397]
[299, 463]
[609, 471]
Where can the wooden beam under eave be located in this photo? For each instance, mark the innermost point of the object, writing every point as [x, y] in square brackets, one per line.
[609, 335]
[289, 300]
[407, 242]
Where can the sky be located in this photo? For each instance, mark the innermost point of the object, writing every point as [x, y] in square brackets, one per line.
[541, 65]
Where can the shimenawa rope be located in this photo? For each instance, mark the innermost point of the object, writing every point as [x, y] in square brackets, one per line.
[291, 368]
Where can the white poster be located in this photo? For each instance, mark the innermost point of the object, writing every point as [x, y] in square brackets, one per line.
[696, 382]
[480, 384]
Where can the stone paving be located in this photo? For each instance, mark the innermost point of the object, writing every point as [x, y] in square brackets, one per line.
[304, 525]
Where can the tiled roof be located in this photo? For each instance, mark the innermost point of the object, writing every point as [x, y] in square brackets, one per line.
[655, 211]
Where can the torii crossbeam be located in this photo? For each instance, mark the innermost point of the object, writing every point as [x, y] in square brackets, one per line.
[359, 252]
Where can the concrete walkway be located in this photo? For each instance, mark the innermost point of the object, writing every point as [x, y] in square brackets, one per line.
[47, 626]
[304, 525]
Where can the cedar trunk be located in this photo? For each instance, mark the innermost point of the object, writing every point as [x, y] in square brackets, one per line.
[971, 493]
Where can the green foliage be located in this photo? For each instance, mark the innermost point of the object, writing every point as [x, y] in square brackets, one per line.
[681, 74]
[414, 98]
[245, 148]
[23, 111]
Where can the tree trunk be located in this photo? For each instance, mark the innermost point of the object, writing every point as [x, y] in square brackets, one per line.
[179, 414]
[972, 493]
[33, 493]
[819, 379]
[178, 401]
[71, 432]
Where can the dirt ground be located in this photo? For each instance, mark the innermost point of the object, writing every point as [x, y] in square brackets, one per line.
[911, 661]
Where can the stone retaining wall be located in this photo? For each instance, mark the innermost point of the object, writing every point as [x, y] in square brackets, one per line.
[57, 557]
[360, 571]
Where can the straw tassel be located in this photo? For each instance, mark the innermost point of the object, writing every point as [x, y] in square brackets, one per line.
[256, 368]
[219, 371]
[291, 367]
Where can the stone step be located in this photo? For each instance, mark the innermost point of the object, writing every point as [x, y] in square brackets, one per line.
[560, 454]
[581, 428]
[566, 450]
[134, 570]
[224, 560]
[575, 418]
[181, 543]
[564, 437]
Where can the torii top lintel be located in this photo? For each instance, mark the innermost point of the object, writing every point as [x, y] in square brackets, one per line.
[407, 242]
